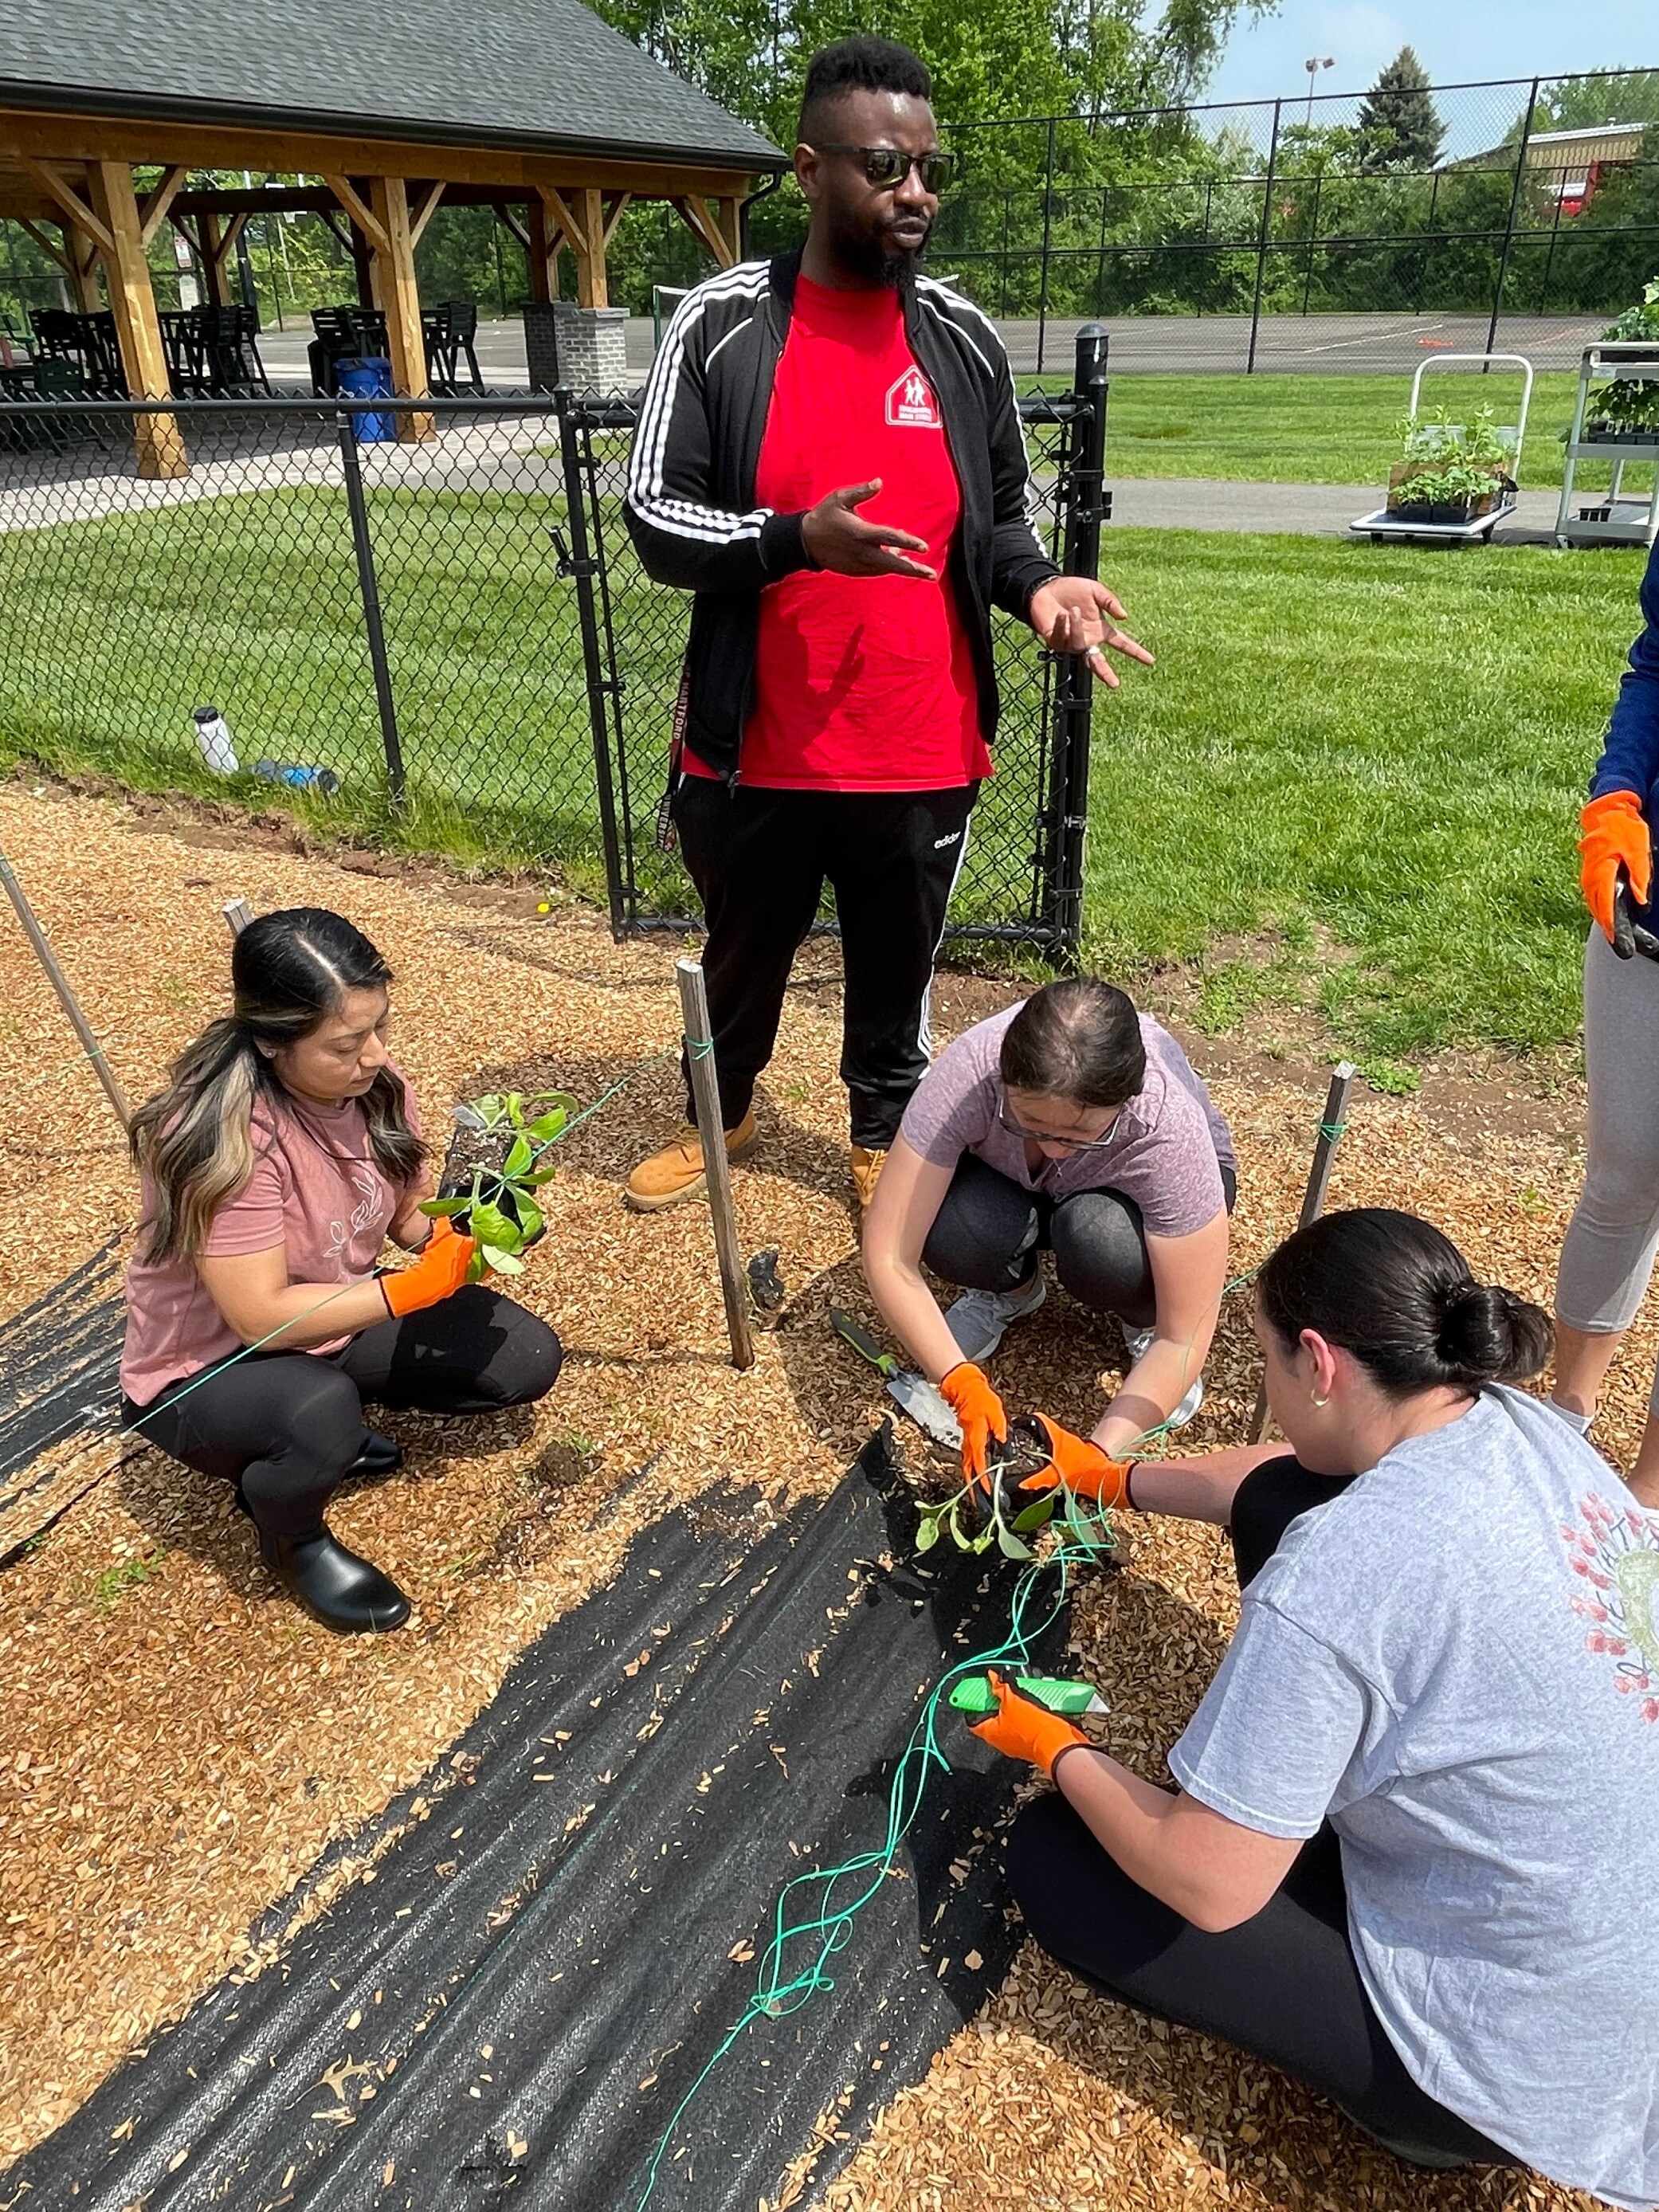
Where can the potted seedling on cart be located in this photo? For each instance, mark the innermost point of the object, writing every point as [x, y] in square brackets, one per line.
[496, 1164]
[1450, 473]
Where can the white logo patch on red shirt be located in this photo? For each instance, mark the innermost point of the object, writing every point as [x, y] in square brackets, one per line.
[911, 404]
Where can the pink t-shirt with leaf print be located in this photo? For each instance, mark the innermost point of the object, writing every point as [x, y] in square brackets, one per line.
[315, 1189]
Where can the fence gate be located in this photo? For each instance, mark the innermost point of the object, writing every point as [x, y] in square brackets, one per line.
[1022, 880]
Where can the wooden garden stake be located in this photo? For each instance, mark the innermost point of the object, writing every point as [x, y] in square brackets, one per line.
[66, 998]
[238, 913]
[717, 1168]
[1313, 1200]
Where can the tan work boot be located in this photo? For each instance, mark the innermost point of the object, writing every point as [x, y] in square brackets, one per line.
[676, 1172]
[866, 1168]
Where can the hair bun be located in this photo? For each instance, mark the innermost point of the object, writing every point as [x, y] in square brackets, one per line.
[1487, 1334]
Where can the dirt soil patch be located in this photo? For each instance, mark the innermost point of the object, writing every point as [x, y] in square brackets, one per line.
[177, 1744]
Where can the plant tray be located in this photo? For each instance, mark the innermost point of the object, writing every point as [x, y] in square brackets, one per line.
[1615, 434]
[1451, 511]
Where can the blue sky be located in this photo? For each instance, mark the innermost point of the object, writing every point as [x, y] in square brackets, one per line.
[1457, 40]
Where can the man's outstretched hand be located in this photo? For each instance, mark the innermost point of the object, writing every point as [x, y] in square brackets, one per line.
[1074, 614]
[838, 538]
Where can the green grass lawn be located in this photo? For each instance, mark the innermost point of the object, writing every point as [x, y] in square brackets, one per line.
[1390, 742]
[1378, 750]
[1313, 430]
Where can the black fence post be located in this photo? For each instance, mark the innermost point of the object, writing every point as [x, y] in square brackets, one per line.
[368, 584]
[1048, 225]
[1262, 238]
[579, 566]
[1074, 686]
[1509, 227]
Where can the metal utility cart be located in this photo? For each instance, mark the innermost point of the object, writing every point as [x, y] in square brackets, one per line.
[1387, 524]
[1614, 517]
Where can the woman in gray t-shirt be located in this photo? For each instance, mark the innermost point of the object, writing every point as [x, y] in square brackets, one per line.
[1409, 1859]
[1073, 1122]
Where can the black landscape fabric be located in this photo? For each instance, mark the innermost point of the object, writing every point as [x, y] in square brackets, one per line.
[57, 1375]
[567, 1915]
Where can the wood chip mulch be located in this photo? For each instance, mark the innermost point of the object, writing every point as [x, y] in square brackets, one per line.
[177, 1743]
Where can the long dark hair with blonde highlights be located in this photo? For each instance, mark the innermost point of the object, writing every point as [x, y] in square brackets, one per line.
[194, 1140]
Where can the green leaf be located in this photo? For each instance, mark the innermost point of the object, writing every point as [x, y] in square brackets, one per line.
[530, 1217]
[440, 1208]
[980, 1543]
[1011, 1546]
[1037, 1515]
[513, 1104]
[926, 1533]
[518, 1158]
[491, 1226]
[499, 1262]
[547, 1128]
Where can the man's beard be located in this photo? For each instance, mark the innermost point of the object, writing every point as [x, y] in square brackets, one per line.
[878, 260]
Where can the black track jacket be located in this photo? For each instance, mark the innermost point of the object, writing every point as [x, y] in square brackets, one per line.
[690, 502]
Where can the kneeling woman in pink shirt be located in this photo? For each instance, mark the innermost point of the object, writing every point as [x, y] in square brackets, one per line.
[1072, 1122]
[283, 1152]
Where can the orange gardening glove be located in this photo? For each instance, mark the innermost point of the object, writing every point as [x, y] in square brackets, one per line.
[979, 1415]
[1081, 1466]
[438, 1273]
[1612, 836]
[1022, 1729]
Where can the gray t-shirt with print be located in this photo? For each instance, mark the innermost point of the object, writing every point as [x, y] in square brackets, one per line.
[1166, 1150]
[1457, 1660]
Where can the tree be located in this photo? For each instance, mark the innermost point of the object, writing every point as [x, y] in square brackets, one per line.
[1613, 96]
[1399, 126]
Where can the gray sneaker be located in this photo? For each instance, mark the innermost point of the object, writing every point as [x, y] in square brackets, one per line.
[1137, 1342]
[979, 1319]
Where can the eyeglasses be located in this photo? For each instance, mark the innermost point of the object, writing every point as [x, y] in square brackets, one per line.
[1042, 1137]
[886, 168]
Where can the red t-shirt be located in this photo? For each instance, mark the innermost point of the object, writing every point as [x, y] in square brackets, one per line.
[861, 682]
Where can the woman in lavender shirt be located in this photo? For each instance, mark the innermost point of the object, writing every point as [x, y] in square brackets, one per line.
[1073, 1122]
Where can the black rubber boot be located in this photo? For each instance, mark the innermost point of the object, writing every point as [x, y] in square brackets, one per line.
[334, 1585]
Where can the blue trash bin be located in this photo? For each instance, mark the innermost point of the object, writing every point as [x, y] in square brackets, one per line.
[369, 377]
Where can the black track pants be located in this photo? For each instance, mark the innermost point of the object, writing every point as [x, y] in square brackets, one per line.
[1282, 1985]
[987, 1234]
[760, 860]
[286, 1426]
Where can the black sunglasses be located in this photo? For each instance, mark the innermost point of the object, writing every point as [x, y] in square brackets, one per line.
[887, 166]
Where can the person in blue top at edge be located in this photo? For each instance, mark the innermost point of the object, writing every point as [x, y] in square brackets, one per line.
[1608, 1253]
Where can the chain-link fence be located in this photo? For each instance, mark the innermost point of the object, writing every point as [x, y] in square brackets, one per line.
[421, 622]
[1021, 880]
[381, 624]
[1315, 233]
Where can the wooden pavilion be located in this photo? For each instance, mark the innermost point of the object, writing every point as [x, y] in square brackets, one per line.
[534, 107]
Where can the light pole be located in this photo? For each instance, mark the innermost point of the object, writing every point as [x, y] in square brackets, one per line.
[1313, 65]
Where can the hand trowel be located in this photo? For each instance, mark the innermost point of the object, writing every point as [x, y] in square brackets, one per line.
[914, 1392]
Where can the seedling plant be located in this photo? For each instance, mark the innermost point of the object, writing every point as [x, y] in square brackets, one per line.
[1012, 1515]
[497, 1205]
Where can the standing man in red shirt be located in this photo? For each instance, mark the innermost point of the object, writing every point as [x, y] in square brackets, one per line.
[829, 455]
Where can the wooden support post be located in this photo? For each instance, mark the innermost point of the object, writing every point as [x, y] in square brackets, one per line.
[422, 210]
[400, 298]
[705, 1089]
[580, 214]
[66, 998]
[161, 449]
[1313, 1199]
[540, 240]
[213, 247]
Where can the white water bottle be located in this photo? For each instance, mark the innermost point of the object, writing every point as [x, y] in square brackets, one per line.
[213, 739]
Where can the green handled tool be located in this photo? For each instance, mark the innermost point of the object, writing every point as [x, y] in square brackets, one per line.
[975, 1695]
[914, 1393]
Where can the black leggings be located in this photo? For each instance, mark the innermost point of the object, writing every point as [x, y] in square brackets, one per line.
[1282, 1985]
[986, 1235]
[286, 1426]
